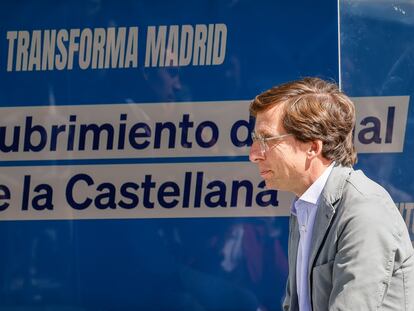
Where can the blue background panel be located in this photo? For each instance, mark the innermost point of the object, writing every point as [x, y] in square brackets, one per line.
[159, 264]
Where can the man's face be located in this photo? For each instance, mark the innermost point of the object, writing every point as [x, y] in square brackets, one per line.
[283, 164]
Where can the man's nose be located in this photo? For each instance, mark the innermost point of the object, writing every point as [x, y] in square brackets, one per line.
[255, 154]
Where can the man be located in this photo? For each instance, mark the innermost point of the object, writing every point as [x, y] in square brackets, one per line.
[349, 248]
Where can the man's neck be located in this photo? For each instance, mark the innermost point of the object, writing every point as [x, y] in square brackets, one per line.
[313, 173]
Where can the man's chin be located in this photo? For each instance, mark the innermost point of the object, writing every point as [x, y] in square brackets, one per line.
[270, 185]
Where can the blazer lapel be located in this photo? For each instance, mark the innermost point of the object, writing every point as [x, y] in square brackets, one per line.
[293, 254]
[323, 219]
[330, 195]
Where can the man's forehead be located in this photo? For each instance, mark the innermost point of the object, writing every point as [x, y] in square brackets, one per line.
[269, 119]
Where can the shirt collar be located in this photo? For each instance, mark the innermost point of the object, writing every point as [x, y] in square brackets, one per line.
[312, 194]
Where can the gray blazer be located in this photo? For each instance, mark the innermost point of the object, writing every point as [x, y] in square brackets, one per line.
[361, 256]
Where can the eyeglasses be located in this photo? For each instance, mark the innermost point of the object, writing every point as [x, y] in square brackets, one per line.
[263, 140]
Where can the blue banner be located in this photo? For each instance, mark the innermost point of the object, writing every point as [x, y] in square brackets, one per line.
[124, 136]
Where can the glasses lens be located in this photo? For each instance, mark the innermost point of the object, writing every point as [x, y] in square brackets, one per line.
[263, 145]
[260, 140]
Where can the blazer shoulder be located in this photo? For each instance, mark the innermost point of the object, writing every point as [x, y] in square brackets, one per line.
[349, 184]
[370, 204]
[359, 185]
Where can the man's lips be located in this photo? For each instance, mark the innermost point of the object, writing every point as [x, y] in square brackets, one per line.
[264, 173]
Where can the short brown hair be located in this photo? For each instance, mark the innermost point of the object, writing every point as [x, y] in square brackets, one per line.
[314, 109]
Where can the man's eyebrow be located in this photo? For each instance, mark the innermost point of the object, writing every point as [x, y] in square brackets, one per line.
[263, 131]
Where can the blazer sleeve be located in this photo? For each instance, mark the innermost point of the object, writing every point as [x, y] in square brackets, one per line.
[367, 247]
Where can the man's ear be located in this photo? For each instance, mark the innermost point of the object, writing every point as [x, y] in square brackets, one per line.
[314, 149]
